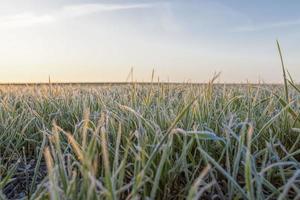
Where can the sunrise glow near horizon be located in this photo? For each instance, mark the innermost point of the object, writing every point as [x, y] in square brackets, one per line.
[100, 41]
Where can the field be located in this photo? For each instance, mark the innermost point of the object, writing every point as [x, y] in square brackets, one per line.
[150, 141]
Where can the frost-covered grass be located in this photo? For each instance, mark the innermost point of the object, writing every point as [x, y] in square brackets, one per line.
[159, 141]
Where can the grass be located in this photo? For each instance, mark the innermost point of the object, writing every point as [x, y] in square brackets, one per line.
[155, 141]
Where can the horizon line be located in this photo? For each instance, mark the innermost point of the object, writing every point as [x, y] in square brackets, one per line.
[137, 82]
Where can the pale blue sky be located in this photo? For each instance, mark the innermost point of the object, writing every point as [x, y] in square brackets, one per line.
[84, 40]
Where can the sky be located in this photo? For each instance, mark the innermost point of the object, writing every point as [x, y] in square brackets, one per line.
[187, 40]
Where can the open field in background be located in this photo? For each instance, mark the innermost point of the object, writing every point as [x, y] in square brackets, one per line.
[161, 141]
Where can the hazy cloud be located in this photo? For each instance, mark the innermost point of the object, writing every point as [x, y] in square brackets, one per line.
[70, 11]
[85, 9]
[24, 19]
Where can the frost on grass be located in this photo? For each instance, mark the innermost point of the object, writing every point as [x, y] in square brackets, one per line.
[158, 141]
